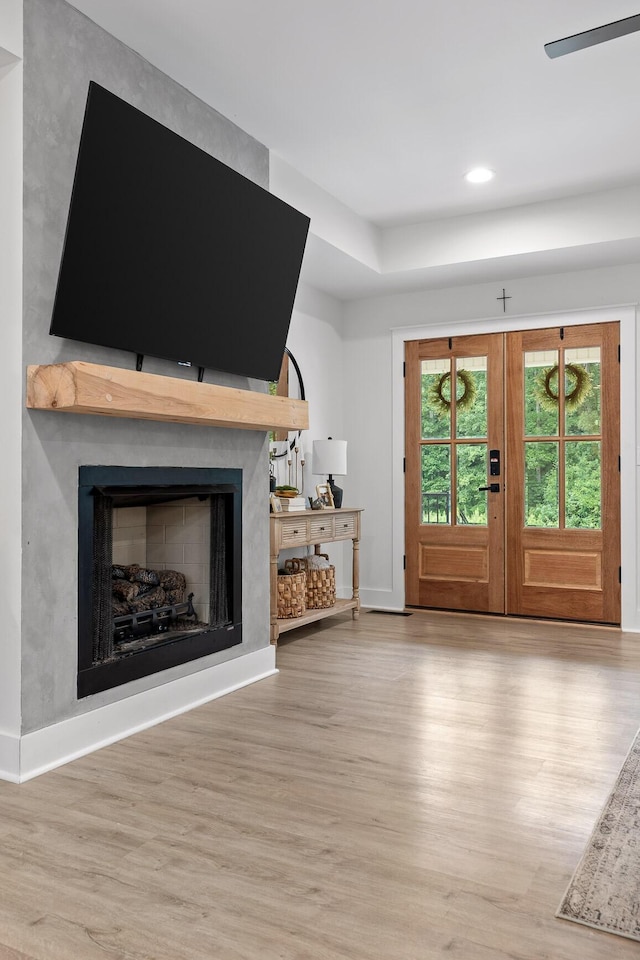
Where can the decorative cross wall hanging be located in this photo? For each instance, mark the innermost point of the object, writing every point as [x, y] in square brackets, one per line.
[504, 299]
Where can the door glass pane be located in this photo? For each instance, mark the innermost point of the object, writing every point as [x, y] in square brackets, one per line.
[541, 498]
[471, 473]
[583, 497]
[436, 399]
[471, 397]
[436, 483]
[541, 393]
[582, 391]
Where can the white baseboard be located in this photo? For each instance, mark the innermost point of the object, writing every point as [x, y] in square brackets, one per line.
[35, 753]
[9, 758]
[382, 599]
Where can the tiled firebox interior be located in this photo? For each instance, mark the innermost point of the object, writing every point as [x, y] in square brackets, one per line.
[172, 536]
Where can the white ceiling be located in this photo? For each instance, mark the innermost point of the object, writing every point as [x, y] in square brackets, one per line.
[385, 105]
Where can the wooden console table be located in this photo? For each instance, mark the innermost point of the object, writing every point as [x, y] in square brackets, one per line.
[305, 528]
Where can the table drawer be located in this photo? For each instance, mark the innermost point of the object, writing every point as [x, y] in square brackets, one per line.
[346, 527]
[321, 529]
[293, 531]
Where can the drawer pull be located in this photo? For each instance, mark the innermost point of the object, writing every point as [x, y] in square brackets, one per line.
[322, 529]
[295, 531]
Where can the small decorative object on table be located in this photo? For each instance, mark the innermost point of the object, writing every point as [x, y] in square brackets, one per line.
[290, 498]
[325, 494]
[287, 491]
[274, 503]
[291, 504]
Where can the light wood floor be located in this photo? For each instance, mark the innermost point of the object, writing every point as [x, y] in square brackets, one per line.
[406, 788]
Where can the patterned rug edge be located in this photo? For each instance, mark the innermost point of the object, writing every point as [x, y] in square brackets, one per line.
[619, 800]
[596, 926]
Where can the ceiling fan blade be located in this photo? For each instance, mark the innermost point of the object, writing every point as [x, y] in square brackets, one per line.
[558, 48]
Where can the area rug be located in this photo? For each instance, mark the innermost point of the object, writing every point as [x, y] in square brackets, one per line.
[604, 892]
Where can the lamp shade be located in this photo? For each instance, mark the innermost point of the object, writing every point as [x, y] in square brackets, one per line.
[330, 457]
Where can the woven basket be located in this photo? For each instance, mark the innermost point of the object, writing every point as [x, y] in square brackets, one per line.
[292, 593]
[321, 584]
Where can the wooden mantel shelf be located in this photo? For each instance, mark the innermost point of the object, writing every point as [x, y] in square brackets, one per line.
[79, 387]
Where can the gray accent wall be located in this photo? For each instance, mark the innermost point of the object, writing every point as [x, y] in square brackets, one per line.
[64, 50]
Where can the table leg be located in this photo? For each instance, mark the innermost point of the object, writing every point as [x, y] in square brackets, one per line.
[356, 579]
[274, 629]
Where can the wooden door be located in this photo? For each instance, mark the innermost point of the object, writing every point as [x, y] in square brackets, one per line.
[454, 530]
[563, 482]
[544, 539]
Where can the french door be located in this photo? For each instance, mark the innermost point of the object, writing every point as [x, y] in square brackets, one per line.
[455, 531]
[512, 473]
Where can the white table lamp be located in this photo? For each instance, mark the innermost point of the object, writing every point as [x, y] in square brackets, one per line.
[329, 457]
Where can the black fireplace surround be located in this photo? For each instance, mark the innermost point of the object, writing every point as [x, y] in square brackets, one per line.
[103, 661]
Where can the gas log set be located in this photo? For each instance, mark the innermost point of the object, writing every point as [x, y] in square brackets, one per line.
[146, 602]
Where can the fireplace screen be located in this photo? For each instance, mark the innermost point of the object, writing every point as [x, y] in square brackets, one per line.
[159, 573]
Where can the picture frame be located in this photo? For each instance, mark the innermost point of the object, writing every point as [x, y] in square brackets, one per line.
[274, 504]
[323, 492]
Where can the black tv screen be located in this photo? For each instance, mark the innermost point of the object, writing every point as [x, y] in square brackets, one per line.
[169, 252]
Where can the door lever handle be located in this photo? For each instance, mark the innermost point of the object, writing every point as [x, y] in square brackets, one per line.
[492, 488]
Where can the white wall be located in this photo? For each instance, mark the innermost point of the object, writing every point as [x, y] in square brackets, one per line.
[331, 220]
[593, 219]
[315, 340]
[373, 400]
[12, 379]
[11, 29]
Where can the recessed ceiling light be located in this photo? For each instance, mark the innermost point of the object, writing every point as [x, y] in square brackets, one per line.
[479, 175]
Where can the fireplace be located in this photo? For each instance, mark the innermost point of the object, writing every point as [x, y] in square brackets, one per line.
[159, 569]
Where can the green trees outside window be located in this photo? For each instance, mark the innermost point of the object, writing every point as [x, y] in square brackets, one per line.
[545, 443]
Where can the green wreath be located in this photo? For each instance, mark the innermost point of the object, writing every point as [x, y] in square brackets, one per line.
[576, 396]
[465, 401]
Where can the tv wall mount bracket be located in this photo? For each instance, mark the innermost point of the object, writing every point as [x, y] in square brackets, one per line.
[181, 363]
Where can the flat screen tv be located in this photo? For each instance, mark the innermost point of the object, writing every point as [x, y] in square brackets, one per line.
[168, 252]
